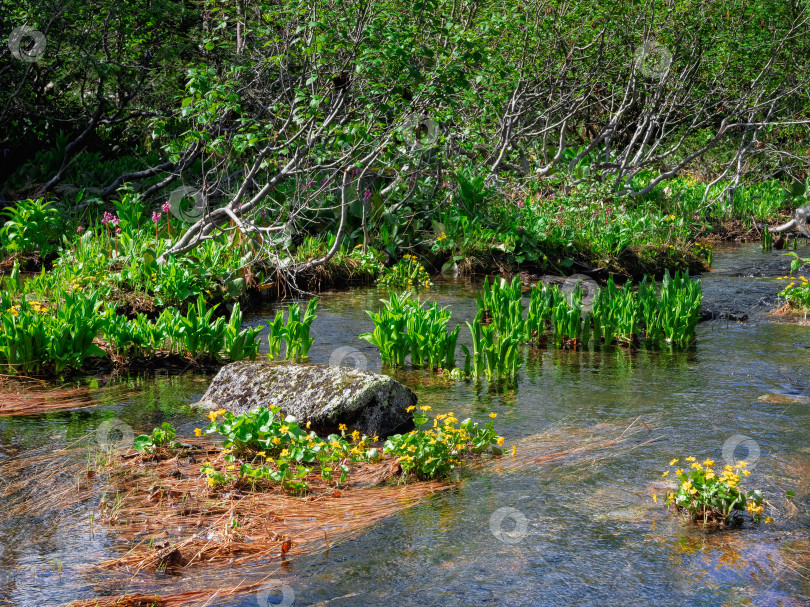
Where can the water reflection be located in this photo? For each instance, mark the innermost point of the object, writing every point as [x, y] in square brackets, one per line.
[593, 535]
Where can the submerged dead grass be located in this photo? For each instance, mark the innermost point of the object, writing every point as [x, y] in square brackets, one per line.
[241, 525]
[172, 521]
[34, 397]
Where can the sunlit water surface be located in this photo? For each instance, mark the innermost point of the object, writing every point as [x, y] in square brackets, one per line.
[593, 535]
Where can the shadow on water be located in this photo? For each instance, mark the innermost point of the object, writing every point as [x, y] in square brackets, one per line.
[577, 533]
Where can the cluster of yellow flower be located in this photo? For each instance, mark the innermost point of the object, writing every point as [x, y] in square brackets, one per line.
[669, 217]
[213, 415]
[441, 237]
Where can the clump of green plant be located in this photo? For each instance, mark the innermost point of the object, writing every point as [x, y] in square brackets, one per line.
[407, 273]
[160, 439]
[711, 498]
[269, 446]
[624, 315]
[32, 225]
[406, 327]
[503, 304]
[494, 354]
[433, 453]
[65, 331]
[295, 333]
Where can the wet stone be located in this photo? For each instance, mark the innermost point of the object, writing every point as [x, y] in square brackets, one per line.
[323, 395]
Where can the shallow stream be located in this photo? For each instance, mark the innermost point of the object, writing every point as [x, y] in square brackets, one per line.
[582, 533]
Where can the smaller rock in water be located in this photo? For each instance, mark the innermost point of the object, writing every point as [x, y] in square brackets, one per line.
[324, 395]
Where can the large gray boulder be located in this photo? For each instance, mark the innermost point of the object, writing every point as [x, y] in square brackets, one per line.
[324, 395]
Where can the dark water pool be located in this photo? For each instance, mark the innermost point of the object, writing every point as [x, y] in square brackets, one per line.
[582, 533]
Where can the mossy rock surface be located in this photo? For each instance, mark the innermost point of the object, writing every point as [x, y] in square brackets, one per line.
[324, 395]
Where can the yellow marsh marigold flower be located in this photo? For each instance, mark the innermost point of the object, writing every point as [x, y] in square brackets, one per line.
[493, 415]
[411, 408]
[425, 408]
[514, 449]
[284, 452]
[500, 441]
[696, 466]
[197, 432]
[708, 462]
[742, 464]
[710, 475]
[308, 425]
[342, 427]
[284, 429]
[276, 440]
[673, 462]
[355, 435]
[211, 481]
[666, 472]
[214, 414]
[655, 498]
[690, 459]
